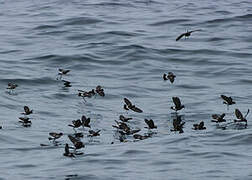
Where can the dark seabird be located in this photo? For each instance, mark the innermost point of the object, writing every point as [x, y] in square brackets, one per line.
[123, 126]
[100, 91]
[63, 71]
[186, 34]
[218, 118]
[54, 136]
[76, 142]
[76, 123]
[178, 124]
[199, 126]
[129, 105]
[12, 86]
[227, 100]
[94, 133]
[177, 103]
[171, 77]
[67, 83]
[124, 119]
[85, 121]
[150, 123]
[240, 117]
[27, 110]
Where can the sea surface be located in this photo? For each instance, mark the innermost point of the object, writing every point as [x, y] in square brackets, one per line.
[126, 47]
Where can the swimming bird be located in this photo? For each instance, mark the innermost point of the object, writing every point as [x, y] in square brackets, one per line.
[227, 100]
[177, 103]
[186, 34]
[150, 123]
[199, 126]
[76, 142]
[54, 136]
[27, 111]
[218, 118]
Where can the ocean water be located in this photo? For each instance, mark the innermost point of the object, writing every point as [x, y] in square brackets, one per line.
[126, 47]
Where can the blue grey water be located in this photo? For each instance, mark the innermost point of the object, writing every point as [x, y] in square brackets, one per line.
[126, 47]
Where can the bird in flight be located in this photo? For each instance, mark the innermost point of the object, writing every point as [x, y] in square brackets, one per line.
[186, 34]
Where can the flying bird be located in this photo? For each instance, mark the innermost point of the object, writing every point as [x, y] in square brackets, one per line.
[240, 117]
[54, 136]
[186, 34]
[227, 100]
[177, 103]
[85, 121]
[76, 142]
[27, 110]
[218, 118]
[150, 123]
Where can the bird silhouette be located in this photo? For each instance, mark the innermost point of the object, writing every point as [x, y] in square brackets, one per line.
[186, 34]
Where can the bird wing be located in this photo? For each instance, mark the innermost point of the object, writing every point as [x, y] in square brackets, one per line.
[147, 122]
[195, 30]
[127, 102]
[225, 98]
[176, 101]
[83, 118]
[136, 109]
[151, 123]
[179, 37]
[238, 114]
[73, 139]
[26, 109]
